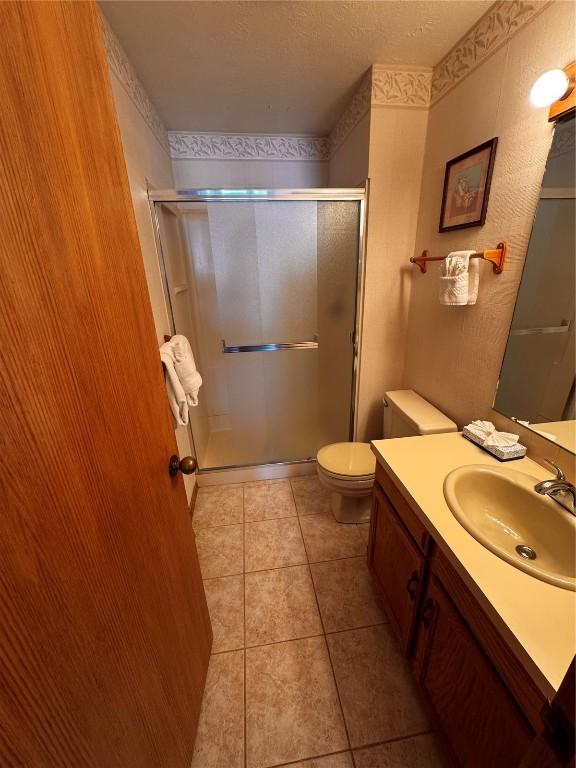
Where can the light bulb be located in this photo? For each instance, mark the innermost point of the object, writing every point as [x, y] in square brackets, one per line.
[549, 87]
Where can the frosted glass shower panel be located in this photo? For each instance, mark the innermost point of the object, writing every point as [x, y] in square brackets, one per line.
[265, 257]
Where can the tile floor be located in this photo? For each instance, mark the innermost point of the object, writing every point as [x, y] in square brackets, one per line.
[304, 670]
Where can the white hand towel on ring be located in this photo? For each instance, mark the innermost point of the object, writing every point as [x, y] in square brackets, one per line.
[459, 279]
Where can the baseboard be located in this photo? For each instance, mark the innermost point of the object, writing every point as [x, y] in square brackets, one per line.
[249, 474]
[193, 498]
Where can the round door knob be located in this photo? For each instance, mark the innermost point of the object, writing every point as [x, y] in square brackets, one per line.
[187, 465]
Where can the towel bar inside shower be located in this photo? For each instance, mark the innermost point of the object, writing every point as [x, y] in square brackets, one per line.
[496, 256]
[275, 347]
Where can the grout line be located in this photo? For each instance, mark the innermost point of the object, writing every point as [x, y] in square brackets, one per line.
[394, 739]
[362, 626]
[336, 559]
[197, 529]
[269, 519]
[301, 637]
[325, 640]
[244, 624]
[274, 642]
[306, 759]
[279, 567]
[354, 629]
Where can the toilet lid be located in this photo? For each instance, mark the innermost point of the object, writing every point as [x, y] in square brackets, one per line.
[348, 459]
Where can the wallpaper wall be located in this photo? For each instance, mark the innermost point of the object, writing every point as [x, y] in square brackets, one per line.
[453, 354]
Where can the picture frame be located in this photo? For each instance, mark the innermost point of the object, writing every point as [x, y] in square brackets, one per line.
[466, 190]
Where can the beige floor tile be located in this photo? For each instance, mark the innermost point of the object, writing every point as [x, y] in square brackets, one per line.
[325, 539]
[310, 495]
[273, 544]
[292, 710]
[280, 605]
[378, 693]
[220, 550]
[218, 505]
[417, 752]
[341, 760]
[225, 598]
[267, 499]
[346, 595]
[220, 737]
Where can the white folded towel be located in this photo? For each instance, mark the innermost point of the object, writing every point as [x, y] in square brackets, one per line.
[182, 378]
[176, 395]
[459, 279]
[487, 433]
[186, 368]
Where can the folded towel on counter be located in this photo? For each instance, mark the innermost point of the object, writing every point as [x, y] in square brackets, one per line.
[504, 446]
[487, 434]
[459, 279]
[182, 378]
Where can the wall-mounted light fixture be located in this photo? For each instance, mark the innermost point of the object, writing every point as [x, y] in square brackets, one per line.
[556, 89]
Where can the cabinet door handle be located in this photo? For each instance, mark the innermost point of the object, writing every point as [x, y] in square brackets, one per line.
[412, 585]
[428, 612]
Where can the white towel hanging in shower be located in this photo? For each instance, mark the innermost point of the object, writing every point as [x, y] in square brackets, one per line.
[174, 389]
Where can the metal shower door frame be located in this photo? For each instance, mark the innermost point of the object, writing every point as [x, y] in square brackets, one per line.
[355, 194]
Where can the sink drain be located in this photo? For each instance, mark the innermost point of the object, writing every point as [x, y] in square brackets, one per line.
[526, 552]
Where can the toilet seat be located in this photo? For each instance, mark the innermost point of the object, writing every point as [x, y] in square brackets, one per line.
[347, 470]
[352, 462]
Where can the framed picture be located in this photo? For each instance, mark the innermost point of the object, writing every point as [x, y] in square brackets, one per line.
[466, 188]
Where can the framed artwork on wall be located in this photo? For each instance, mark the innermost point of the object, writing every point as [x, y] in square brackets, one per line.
[467, 187]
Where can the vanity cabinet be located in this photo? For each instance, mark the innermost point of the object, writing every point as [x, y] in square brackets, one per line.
[398, 566]
[480, 720]
[485, 706]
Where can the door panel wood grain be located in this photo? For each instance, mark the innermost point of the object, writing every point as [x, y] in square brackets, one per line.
[104, 630]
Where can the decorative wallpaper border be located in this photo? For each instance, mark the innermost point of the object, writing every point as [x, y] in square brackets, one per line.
[354, 112]
[383, 86]
[120, 65]
[389, 86]
[495, 28]
[404, 88]
[229, 146]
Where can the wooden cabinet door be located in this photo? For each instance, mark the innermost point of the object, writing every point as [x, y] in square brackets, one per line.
[104, 630]
[479, 718]
[398, 566]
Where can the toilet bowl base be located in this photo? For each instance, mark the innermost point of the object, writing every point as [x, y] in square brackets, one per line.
[350, 509]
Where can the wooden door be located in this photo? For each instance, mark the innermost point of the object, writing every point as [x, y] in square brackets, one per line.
[480, 720]
[398, 566]
[104, 631]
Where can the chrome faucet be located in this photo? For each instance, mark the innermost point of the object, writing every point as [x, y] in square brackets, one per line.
[562, 491]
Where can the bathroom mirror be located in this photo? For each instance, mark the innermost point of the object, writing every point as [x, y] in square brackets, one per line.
[536, 385]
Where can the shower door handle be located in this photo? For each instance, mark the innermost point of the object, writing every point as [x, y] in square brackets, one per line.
[274, 347]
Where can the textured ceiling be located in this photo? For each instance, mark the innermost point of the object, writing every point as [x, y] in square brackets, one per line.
[274, 66]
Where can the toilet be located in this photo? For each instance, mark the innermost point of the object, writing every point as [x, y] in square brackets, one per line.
[347, 469]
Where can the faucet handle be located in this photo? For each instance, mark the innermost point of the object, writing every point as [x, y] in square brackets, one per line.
[559, 474]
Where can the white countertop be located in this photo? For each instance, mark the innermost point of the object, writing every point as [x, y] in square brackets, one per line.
[536, 619]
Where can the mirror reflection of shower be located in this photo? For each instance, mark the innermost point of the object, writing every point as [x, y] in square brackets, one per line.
[266, 290]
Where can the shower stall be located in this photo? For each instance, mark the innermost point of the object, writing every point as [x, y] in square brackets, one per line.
[267, 286]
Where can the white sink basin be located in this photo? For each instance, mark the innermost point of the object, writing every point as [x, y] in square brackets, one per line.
[501, 509]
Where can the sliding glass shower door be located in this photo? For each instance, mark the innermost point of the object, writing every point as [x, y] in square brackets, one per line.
[266, 290]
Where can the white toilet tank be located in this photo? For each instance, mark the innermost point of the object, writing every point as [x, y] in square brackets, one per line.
[407, 414]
